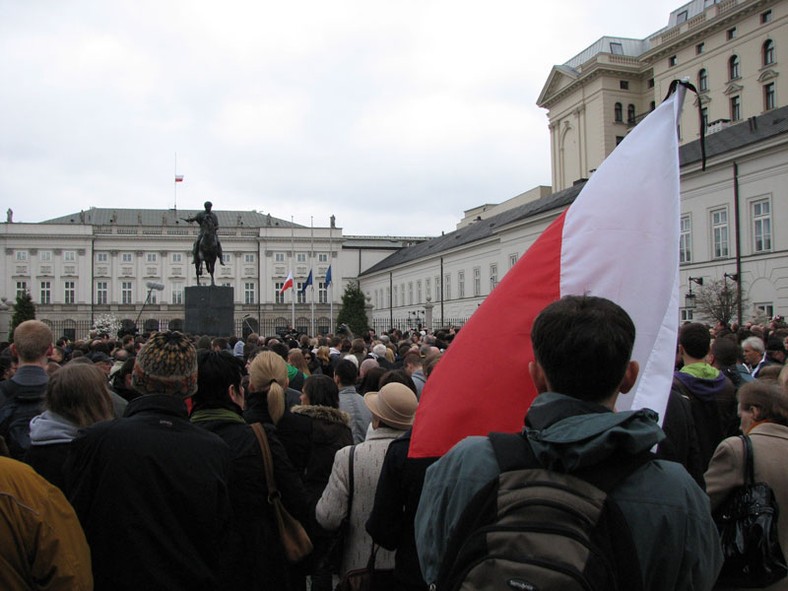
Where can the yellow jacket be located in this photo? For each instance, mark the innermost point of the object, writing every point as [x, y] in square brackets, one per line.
[42, 545]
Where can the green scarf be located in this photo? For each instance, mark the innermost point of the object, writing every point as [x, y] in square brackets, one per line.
[216, 414]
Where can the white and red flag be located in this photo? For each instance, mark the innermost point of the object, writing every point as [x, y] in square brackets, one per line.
[178, 178]
[288, 284]
[618, 240]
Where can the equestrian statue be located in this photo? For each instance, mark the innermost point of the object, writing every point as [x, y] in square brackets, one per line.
[207, 247]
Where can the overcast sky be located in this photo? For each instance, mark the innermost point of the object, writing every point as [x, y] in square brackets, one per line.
[394, 116]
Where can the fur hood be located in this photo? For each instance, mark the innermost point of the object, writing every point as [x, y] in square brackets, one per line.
[323, 413]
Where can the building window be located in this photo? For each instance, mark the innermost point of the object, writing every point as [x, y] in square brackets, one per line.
[733, 67]
[69, 256]
[493, 276]
[631, 114]
[735, 108]
[719, 229]
[703, 81]
[427, 287]
[177, 293]
[153, 296]
[410, 293]
[512, 260]
[650, 83]
[322, 257]
[322, 292]
[766, 17]
[279, 297]
[69, 292]
[45, 256]
[623, 84]
[699, 48]
[447, 286]
[46, 292]
[686, 315]
[102, 292]
[681, 17]
[177, 257]
[765, 308]
[477, 281]
[619, 113]
[762, 225]
[685, 240]
[125, 292]
[672, 61]
[300, 293]
[768, 52]
[21, 255]
[418, 292]
[730, 34]
[248, 258]
[21, 288]
[226, 258]
[301, 257]
[704, 116]
[102, 257]
[768, 97]
[279, 257]
[126, 257]
[616, 48]
[249, 291]
[437, 288]
[151, 257]
[460, 284]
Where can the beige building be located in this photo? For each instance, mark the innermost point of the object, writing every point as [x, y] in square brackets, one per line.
[730, 50]
[104, 261]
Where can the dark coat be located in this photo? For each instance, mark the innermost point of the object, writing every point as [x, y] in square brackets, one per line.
[681, 443]
[396, 499]
[150, 490]
[257, 558]
[48, 461]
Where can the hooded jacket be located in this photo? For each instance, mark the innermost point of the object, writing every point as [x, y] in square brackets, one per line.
[50, 437]
[659, 500]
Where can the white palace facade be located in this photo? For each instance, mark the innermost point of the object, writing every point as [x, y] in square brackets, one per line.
[734, 219]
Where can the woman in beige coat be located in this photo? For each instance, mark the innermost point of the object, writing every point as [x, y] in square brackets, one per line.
[763, 410]
[392, 414]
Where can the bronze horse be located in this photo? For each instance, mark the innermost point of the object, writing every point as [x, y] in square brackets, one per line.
[207, 252]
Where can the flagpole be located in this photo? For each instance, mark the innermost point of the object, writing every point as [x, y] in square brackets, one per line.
[330, 287]
[175, 185]
[292, 265]
[311, 266]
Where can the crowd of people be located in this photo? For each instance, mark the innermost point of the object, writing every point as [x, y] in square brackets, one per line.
[132, 464]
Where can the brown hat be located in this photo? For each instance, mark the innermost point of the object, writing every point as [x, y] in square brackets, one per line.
[167, 364]
[395, 405]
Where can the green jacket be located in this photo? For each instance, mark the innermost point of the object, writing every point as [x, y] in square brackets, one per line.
[668, 514]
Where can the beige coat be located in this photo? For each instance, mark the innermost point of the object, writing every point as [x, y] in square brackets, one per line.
[726, 472]
[332, 506]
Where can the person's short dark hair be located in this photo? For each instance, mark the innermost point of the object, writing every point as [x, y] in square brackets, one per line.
[216, 371]
[775, 344]
[583, 344]
[204, 342]
[412, 358]
[322, 391]
[347, 372]
[220, 343]
[280, 349]
[726, 352]
[695, 339]
[399, 376]
[371, 380]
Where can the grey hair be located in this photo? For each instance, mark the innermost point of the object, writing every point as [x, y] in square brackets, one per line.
[755, 343]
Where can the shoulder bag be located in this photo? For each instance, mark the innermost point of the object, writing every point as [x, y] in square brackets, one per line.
[748, 530]
[295, 540]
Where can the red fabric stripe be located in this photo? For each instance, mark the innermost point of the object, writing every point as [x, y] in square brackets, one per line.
[482, 383]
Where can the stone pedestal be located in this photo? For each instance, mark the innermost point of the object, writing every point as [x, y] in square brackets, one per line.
[209, 310]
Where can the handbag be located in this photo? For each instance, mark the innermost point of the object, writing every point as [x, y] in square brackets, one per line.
[295, 540]
[747, 524]
[368, 578]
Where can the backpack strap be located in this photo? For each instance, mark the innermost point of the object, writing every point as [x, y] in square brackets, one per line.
[514, 452]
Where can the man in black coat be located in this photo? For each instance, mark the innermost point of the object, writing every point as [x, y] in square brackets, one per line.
[150, 489]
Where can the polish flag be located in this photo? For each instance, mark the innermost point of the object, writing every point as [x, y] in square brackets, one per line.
[178, 178]
[288, 283]
[618, 240]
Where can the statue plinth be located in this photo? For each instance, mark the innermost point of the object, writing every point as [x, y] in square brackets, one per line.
[209, 310]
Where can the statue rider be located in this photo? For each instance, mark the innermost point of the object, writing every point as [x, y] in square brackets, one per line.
[208, 225]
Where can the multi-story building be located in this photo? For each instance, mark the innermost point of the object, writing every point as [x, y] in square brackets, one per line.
[99, 261]
[734, 213]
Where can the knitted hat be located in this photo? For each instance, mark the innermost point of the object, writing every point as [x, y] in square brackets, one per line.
[395, 405]
[167, 364]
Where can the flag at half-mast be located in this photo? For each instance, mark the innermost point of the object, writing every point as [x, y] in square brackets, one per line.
[618, 240]
[307, 283]
[288, 283]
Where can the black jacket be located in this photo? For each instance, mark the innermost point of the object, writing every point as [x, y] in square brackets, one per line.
[257, 560]
[150, 490]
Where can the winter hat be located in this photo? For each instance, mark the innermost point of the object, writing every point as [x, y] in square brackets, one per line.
[395, 405]
[167, 364]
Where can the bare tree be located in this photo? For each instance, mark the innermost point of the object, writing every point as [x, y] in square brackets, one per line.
[718, 300]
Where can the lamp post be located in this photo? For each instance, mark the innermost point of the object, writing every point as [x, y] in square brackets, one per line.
[735, 278]
[689, 298]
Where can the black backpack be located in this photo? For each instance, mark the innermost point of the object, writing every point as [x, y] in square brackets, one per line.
[536, 529]
[15, 415]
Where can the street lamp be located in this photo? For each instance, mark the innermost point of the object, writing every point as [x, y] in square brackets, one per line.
[689, 298]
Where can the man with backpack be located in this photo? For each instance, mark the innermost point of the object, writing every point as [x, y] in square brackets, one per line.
[576, 501]
[22, 397]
